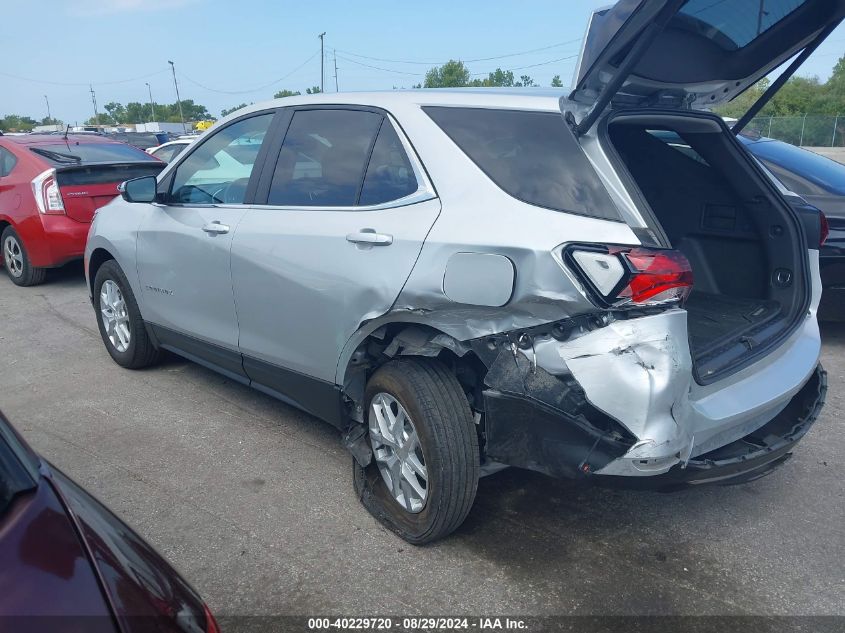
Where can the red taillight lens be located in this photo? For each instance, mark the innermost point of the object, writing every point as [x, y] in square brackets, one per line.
[657, 276]
[210, 623]
[621, 275]
[48, 198]
[824, 229]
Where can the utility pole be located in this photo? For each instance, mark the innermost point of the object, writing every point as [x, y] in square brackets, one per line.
[178, 100]
[322, 59]
[152, 107]
[48, 107]
[335, 72]
[94, 101]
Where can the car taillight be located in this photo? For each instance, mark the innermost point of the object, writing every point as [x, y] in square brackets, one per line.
[824, 229]
[48, 198]
[210, 623]
[618, 275]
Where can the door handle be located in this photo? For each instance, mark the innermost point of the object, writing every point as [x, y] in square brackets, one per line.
[368, 237]
[215, 228]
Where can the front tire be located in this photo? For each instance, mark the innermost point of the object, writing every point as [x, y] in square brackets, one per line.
[16, 261]
[119, 319]
[423, 477]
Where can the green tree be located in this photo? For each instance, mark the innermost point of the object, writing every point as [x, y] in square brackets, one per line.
[228, 111]
[116, 112]
[17, 123]
[450, 75]
[556, 82]
[287, 93]
[525, 82]
[313, 90]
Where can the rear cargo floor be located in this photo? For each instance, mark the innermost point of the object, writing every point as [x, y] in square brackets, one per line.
[712, 318]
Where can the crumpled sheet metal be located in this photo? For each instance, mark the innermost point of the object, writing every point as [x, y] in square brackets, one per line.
[638, 371]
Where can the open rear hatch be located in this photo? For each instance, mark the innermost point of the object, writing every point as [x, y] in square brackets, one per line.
[693, 53]
[644, 66]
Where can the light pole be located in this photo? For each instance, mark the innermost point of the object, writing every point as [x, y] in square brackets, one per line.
[322, 59]
[47, 101]
[152, 107]
[178, 100]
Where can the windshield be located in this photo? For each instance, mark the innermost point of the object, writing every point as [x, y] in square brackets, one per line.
[75, 153]
[812, 174]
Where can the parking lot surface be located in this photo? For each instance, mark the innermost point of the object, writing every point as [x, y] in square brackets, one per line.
[252, 500]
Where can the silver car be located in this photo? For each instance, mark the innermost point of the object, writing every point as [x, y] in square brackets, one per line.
[464, 280]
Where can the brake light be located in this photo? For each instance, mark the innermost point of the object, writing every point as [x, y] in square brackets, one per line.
[211, 625]
[824, 229]
[48, 198]
[618, 275]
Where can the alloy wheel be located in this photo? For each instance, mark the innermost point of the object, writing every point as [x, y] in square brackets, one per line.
[115, 315]
[398, 452]
[13, 256]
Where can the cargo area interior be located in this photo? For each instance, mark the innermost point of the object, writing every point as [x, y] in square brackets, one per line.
[735, 232]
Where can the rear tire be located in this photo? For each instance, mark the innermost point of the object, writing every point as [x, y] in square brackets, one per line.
[427, 393]
[16, 261]
[119, 320]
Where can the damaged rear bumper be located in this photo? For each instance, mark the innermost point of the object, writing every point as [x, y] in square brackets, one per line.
[748, 458]
[530, 434]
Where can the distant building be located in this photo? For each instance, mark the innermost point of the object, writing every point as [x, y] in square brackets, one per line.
[157, 126]
[49, 128]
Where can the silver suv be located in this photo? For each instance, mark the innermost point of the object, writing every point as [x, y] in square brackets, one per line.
[602, 286]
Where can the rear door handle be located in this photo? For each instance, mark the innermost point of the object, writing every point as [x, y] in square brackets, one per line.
[369, 237]
[215, 228]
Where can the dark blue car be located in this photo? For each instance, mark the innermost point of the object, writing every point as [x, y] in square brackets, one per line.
[821, 182]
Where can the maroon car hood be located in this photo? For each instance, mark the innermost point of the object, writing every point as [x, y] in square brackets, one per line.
[44, 569]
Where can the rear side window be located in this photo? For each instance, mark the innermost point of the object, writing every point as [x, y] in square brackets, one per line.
[533, 156]
[389, 174]
[323, 158]
[7, 162]
[77, 153]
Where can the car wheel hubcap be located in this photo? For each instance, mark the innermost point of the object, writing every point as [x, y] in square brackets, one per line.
[398, 453]
[115, 316]
[13, 255]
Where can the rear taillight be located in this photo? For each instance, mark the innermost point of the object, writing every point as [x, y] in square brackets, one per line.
[48, 198]
[824, 229]
[210, 623]
[619, 275]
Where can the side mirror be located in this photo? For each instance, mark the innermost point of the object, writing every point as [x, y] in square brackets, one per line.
[141, 189]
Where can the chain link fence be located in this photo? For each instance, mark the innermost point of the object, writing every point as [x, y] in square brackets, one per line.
[809, 130]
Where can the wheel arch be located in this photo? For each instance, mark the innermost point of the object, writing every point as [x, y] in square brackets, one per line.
[99, 256]
[373, 346]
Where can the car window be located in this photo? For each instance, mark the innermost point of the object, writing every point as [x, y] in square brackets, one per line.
[7, 162]
[803, 171]
[168, 153]
[532, 156]
[17, 473]
[75, 152]
[389, 173]
[733, 25]
[323, 158]
[218, 171]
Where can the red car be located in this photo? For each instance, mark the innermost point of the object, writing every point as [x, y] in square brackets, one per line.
[68, 565]
[50, 188]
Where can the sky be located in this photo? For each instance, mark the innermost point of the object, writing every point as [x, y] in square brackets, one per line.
[228, 52]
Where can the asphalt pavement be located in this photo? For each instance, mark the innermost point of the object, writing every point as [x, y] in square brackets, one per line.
[252, 500]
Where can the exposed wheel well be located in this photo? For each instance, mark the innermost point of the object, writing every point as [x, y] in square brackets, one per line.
[99, 257]
[403, 339]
